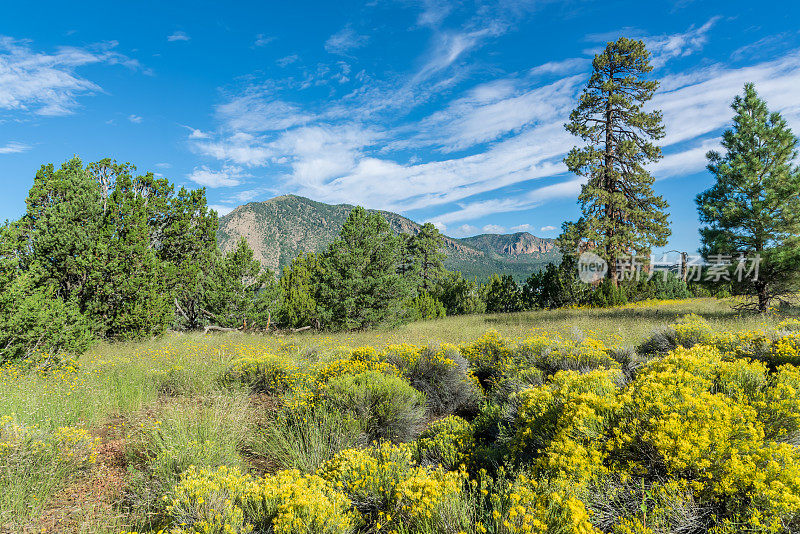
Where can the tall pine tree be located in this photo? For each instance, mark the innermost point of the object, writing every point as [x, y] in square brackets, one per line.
[621, 213]
[360, 285]
[754, 206]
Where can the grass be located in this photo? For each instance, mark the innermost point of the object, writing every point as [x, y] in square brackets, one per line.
[162, 401]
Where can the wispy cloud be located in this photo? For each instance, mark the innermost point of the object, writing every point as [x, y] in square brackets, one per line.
[47, 83]
[368, 148]
[178, 36]
[344, 41]
[228, 176]
[136, 119]
[667, 47]
[287, 60]
[14, 147]
[263, 40]
[548, 228]
[493, 229]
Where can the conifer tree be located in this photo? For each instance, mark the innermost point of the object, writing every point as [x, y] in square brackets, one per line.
[426, 247]
[360, 286]
[300, 288]
[621, 213]
[753, 208]
[61, 230]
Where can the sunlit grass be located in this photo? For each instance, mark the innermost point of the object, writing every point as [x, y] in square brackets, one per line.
[176, 380]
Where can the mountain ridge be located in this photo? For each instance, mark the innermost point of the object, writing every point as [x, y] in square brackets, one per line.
[278, 229]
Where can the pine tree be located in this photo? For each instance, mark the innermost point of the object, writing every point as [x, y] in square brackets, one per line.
[426, 247]
[360, 286]
[187, 247]
[241, 293]
[129, 299]
[621, 213]
[62, 230]
[754, 206]
[300, 287]
[502, 294]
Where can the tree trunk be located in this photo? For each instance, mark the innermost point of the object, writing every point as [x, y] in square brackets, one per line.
[608, 185]
[763, 299]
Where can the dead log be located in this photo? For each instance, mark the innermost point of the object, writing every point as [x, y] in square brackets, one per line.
[216, 328]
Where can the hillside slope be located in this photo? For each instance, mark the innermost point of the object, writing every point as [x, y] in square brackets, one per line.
[280, 228]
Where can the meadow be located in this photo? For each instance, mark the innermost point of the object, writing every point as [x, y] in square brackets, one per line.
[661, 416]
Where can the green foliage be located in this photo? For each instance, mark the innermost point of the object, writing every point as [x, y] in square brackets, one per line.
[425, 306]
[35, 323]
[502, 294]
[441, 373]
[300, 288]
[555, 286]
[102, 251]
[754, 206]
[386, 405]
[621, 213]
[240, 292]
[359, 285]
[607, 295]
[425, 247]
[458, 295]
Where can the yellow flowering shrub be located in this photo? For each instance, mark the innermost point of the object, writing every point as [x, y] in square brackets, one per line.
[692, 329]
[523, 505]
[389, 488]
[677, 422]
[226, 501]
[488, 356]
[551, 352]
[35, 462]
[447, 442]
[561, 425]
[66, 445]
[265, 373]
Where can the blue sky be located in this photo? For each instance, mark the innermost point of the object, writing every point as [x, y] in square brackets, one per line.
[450, 112]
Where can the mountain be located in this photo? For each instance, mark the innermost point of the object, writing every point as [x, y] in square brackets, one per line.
[282, 227]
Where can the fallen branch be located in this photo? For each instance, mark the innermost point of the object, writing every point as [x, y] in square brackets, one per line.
[216, 328]
[301, 328]
[180, 310]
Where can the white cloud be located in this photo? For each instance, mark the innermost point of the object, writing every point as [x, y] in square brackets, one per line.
[228, 176]
[263, 40]
[47, 84]
[363, 149]
[221, 209]
[440, 226]
[522, 228]
[178, 36]
[666, 47]
[287, 60]
[195, 133]
[136, 119]
[14, 148]
[259, 111]
[434, 12]
[493, 229]
[548, 228]
[344, 41]
[464, 230]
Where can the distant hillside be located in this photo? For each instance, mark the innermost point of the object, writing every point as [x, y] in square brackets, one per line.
[280, 228]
